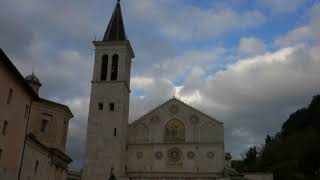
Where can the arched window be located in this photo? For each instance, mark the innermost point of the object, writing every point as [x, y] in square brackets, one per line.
[104, 68]
[9, 99]
[5, 128]
[36, 167]
[174, 131]
[114, 68]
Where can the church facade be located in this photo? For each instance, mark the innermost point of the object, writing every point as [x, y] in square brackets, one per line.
[173, 141]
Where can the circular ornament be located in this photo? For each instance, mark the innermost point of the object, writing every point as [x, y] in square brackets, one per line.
[210, 155]
[190, 154]
[139, 155]
[159, 155]
[174, 109]
[194, 119]
[174, 154]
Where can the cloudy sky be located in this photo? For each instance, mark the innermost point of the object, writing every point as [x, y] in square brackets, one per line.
[249, 63]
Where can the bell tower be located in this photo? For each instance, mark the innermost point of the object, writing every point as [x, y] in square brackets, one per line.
[109, 104]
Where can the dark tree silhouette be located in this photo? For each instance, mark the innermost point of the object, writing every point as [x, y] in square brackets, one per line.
[294, 152]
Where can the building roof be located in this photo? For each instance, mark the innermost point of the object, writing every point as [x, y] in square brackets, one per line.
[115, 30]
[52, 151]
[23, 81]
[33, 79]
[11, 67]
[49, 102]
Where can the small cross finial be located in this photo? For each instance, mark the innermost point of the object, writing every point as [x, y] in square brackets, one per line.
[118, 1]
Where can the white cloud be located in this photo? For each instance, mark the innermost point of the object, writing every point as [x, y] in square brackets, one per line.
[173, 67]
[298, 35]
[254, 96]
[305, 34]
[141, 82]
[282, 6]
[155, 90]
[251, 46]
[190, 22]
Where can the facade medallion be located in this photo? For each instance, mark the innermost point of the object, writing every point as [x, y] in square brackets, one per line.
[174, 109]
[194, 120]
[139, 155]
[159, 155]
[174, 154]
[191, 154]
[210, 155]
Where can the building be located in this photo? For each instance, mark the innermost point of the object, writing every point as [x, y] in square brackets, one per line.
[74, 175]
[33, 129]
[173, 141]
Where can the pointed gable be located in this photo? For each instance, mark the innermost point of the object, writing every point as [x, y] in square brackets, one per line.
[115, 30]
[172, 100]
[183, 122]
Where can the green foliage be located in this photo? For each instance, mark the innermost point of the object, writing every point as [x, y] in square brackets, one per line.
[294, 152]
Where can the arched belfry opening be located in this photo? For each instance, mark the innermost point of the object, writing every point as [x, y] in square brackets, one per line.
[114, 67]
[174, 131]
[104, 67]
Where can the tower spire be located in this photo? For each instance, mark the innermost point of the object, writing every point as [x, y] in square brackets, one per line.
[115, 30]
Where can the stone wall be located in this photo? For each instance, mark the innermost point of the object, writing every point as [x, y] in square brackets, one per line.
[258, 176]
[39, 163]
[55, 134]
[15, 113]
[195, 158]
[36, 162]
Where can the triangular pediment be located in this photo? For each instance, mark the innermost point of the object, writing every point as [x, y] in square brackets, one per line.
[180, 121]
[166, 105]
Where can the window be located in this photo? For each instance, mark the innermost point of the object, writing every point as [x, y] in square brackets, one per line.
[174, 131]
[5, 128]
[44, 125]
[36, 167]
[114, 67]
[115, 132]
[104, 68]
[26, 112]
[10, 96]
[111, 106]
[100, 106]
[1, 153]
[64, 136]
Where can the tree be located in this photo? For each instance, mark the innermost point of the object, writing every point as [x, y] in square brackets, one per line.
[293, 153]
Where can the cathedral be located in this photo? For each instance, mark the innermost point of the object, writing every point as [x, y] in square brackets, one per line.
[173, 141]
